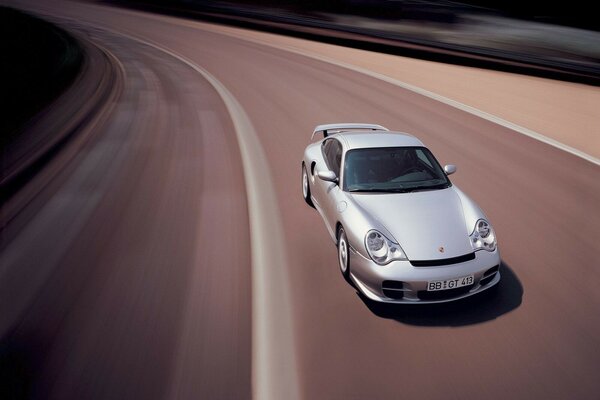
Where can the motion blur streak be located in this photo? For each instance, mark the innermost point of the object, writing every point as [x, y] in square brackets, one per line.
[150, 247]
[463, 107]
[273, 343]
[132, 300]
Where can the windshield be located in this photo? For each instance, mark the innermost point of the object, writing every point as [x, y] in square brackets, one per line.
[393, 169]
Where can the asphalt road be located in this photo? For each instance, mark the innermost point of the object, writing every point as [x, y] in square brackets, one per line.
[143, 269]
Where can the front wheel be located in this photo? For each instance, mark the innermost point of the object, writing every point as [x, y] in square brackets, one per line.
[306, 187]
[344, 254]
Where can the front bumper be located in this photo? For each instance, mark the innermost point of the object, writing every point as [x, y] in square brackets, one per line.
[405, 283]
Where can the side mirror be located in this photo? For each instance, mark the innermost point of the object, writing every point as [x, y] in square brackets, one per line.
[328, 176]
[449, 169]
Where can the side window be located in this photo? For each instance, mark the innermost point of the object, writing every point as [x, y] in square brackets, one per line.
[336, 161]
[332, 152]
[327, 152]
[424, 158]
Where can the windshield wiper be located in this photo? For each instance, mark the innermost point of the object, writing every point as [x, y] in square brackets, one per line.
[379, 190]
[400, 190]
[371, 190]
[424, 188]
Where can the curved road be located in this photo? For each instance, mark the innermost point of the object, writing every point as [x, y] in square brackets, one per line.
[174, 256]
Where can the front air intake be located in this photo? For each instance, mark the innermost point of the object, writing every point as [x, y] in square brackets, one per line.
[489, 275]
[393, 289]
[443, 261]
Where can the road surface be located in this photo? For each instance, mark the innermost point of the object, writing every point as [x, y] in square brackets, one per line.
[173, 255]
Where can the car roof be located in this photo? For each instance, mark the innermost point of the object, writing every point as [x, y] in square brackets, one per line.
[370, 139]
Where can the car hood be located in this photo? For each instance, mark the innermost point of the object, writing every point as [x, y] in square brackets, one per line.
[422, 222]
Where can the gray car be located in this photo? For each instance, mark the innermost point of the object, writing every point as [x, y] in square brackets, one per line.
[404, 232]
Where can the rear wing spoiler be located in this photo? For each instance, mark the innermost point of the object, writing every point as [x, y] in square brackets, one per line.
[336, 128]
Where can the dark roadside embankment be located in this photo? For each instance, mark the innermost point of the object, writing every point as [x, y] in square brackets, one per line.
[38, 62]
[55, 86]
[451, 32]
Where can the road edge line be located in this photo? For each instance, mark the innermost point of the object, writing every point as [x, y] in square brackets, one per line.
[273, 344]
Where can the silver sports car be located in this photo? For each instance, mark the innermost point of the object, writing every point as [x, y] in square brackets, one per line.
[404, 232]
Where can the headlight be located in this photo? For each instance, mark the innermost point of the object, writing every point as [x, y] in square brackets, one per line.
[483, 236]
[381, 249]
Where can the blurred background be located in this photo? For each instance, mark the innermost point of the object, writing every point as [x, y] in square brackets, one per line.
[555, 34]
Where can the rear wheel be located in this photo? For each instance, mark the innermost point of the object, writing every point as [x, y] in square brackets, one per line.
[344, 254]
[306, 187]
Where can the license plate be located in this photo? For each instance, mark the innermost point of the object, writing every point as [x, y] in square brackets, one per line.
[450, 283]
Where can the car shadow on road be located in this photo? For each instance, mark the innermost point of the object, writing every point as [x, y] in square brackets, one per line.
[479, 308]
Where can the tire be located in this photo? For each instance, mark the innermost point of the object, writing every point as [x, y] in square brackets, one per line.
[344, 254]
[306, 187]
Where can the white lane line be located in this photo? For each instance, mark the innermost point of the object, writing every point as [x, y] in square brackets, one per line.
[415, 89]
[461, 106]
[274, 368]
